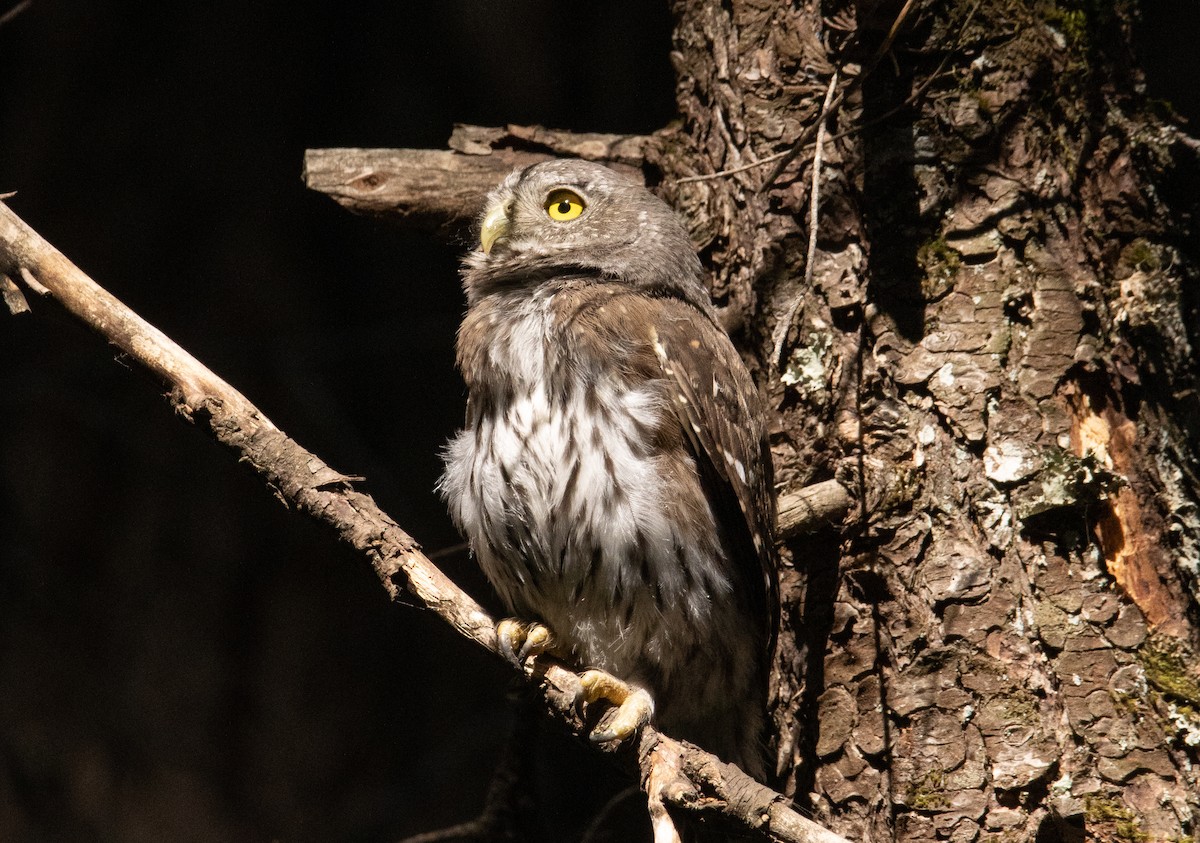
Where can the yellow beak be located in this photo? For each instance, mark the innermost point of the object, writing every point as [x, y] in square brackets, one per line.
[495, 225]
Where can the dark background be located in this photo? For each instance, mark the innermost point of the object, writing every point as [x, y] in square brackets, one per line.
[180, 657]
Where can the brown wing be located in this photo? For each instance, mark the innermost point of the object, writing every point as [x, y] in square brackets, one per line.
[721, 413]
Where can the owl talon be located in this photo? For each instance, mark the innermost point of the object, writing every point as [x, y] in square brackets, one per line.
[634, 705]
[520, 641]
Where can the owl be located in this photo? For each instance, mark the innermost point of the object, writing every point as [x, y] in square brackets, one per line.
[613, 476]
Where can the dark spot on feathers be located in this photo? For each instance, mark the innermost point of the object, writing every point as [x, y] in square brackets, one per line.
[681, 557]
[591, 400]
[597, 561]
[568, 495]
[643, 552]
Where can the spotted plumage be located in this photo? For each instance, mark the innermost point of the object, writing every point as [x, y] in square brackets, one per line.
[613, 476]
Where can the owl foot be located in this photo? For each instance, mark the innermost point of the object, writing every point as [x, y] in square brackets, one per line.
[634, 705]
[520, 640]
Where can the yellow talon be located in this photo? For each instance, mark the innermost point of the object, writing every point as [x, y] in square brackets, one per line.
[634, 705]
[520, 640]
[538, 639]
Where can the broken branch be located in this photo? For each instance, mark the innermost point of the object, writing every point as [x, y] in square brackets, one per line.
[812, 508]
[421, 188]
[436, 190]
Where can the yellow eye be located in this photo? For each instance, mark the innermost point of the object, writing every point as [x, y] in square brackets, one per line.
[563, 205]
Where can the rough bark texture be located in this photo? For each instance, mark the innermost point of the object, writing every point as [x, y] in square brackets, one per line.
[1004, 646]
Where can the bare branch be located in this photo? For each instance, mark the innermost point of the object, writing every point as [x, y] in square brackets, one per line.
[813, 507]
[299, 477]
[508, 807]
[14, 299]
[814, 207]
[422, 188]
[814, 194]
[306, 483]
[435, 189]
[14, 11]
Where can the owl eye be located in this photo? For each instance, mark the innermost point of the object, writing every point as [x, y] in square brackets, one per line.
[563, 205]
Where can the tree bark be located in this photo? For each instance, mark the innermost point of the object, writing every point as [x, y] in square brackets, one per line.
[1003, 646]
[998, 308]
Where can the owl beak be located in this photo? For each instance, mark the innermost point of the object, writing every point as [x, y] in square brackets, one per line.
[495, 225]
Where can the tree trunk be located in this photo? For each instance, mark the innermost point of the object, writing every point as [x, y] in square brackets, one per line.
[999, 336]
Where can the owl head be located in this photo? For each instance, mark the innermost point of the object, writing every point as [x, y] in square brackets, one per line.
[572, 219]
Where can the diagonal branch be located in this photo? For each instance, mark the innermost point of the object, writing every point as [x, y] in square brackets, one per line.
[693, 781]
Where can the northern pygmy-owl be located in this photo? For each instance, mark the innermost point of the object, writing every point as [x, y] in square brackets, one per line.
[613, 477]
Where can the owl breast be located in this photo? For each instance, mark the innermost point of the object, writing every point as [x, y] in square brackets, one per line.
[583, 520]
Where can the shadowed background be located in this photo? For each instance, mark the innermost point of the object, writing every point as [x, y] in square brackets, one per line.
[180, 657]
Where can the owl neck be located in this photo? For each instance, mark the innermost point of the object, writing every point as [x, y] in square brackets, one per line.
[527, 274]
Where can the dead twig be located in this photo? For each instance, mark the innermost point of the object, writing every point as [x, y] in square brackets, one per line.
[508, 806]
[438, 190]
[14, 299]
[812, 508]
[310, 486]
[814, 205]
[14, 11]
[814, 198]
[854, 85]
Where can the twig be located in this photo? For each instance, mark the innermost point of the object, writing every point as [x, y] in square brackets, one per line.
[667, 766]
[476, 829]
[813, 507]
[307, 484]
[449, 550]
[13, 298]
[922, 88]
[507, 806]
[14, 11]
[720, 174]
[854, 85]
[814, 204]
[32, 283]
[786, 156]
[814, 199]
